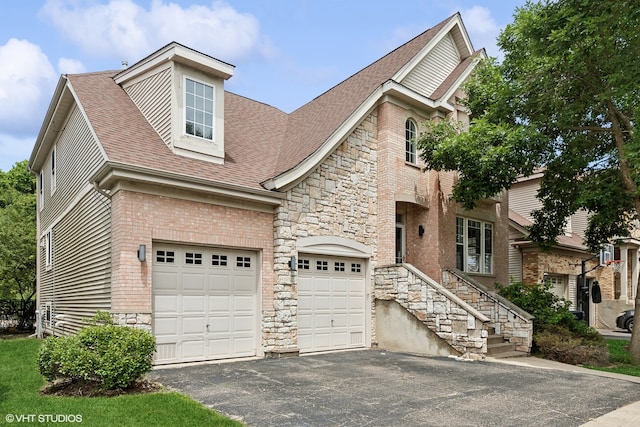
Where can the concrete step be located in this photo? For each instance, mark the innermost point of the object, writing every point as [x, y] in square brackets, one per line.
[500, 348]
[514, 353]
[495, 339]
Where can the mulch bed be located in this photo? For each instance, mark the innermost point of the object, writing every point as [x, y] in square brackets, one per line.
[83, 388]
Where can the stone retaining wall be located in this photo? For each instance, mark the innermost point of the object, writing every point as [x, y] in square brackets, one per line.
[508, 320]
[441, 311]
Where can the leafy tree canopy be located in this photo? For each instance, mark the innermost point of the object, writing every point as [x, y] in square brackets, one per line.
[17, 234]
[564, 101]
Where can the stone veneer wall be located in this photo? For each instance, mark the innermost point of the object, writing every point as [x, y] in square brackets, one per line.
[436, 307]
[508, 320]
[337, 199]
[133, 320]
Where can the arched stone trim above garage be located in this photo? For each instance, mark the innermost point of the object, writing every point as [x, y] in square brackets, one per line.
[333, 245]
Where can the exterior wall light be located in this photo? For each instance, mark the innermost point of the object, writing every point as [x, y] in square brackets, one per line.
[420, 230]
[142, 253]
[292, 263]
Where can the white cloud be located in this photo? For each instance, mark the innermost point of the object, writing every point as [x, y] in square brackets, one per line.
[124, 30]
[482, 29]
[27, 78]
[70, 66]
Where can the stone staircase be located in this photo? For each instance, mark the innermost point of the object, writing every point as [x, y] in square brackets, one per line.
[499, 347]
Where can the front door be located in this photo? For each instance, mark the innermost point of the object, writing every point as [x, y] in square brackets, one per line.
[400, 240]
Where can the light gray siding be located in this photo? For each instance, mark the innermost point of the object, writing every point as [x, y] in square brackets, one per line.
[78, 219]
[434, 68]
[523, 198]
[78, 156]
[515, 256]
[153, 97]
[79, 278]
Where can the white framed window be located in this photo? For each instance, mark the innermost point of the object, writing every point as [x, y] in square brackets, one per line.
[410, 134]
[199, 101]
[54, 165]
[41, 190]
[48, 250]
[474, 246]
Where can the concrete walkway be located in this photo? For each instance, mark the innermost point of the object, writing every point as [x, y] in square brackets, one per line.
[379, 388]
[626, 416]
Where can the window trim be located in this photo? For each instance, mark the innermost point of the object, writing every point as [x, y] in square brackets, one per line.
[213, 110]
[462, 241]
[41, 189]
[48, 250]
[410, 135]
[54, 165]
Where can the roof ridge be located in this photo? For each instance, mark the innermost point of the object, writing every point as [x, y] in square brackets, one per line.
[302, 123]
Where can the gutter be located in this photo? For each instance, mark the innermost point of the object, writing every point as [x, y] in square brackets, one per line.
[111, 172]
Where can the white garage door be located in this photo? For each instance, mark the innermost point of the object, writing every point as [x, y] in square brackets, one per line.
[331, 303]
[204, 303]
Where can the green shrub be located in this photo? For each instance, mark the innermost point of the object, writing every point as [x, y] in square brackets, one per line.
[547, 308]
[114, 356]
[557, 334]
[560, 344]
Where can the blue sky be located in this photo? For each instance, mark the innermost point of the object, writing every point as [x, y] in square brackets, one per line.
[286, 52]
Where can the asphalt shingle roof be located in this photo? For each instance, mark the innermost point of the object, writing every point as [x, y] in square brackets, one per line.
[261, 141]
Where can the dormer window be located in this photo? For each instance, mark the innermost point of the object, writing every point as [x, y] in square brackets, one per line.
[199, 109]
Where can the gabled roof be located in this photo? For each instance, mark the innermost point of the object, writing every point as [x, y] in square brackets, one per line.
[265, 149]
[571, 241]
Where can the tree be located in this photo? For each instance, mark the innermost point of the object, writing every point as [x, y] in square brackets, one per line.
[564, 101]
[18, 238]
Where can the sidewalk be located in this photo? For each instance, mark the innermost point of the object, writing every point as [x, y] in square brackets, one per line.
[627, 416]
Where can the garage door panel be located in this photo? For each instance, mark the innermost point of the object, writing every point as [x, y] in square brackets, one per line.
[166, 327]
[192, 350]
[192, 304]
[219, 304]
[356, 320]
[165, 280]
[305, 321]
[219, 348]
[219, 282]
[356, 302]
[321, 302]
[243, 324]
[243, 346]
[244, 285]
[340, 303]
[204, 303]
[219, 324]
[193, 325]
[339, 320]
[244, 304]
[165, 304]
[193, 282]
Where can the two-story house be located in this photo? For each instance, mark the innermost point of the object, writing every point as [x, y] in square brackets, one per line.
[562, 266]
[231, 229]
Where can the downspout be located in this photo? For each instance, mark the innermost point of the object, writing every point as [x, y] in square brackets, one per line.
[53, 276]
[101, 191]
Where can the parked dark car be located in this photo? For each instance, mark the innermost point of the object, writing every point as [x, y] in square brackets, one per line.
[625, 320]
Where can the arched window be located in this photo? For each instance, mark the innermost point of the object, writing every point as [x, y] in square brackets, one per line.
[410, 140]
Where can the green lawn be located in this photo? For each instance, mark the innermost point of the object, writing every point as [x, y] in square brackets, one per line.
[621, 361]
[20, 384]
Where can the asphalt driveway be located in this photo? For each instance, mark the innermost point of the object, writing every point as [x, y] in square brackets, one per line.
[379, 388]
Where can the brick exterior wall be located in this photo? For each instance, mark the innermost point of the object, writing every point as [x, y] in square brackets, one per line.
[140, 218]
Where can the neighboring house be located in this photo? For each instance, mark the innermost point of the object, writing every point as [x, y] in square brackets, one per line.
[232, 229]
[561, 266]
